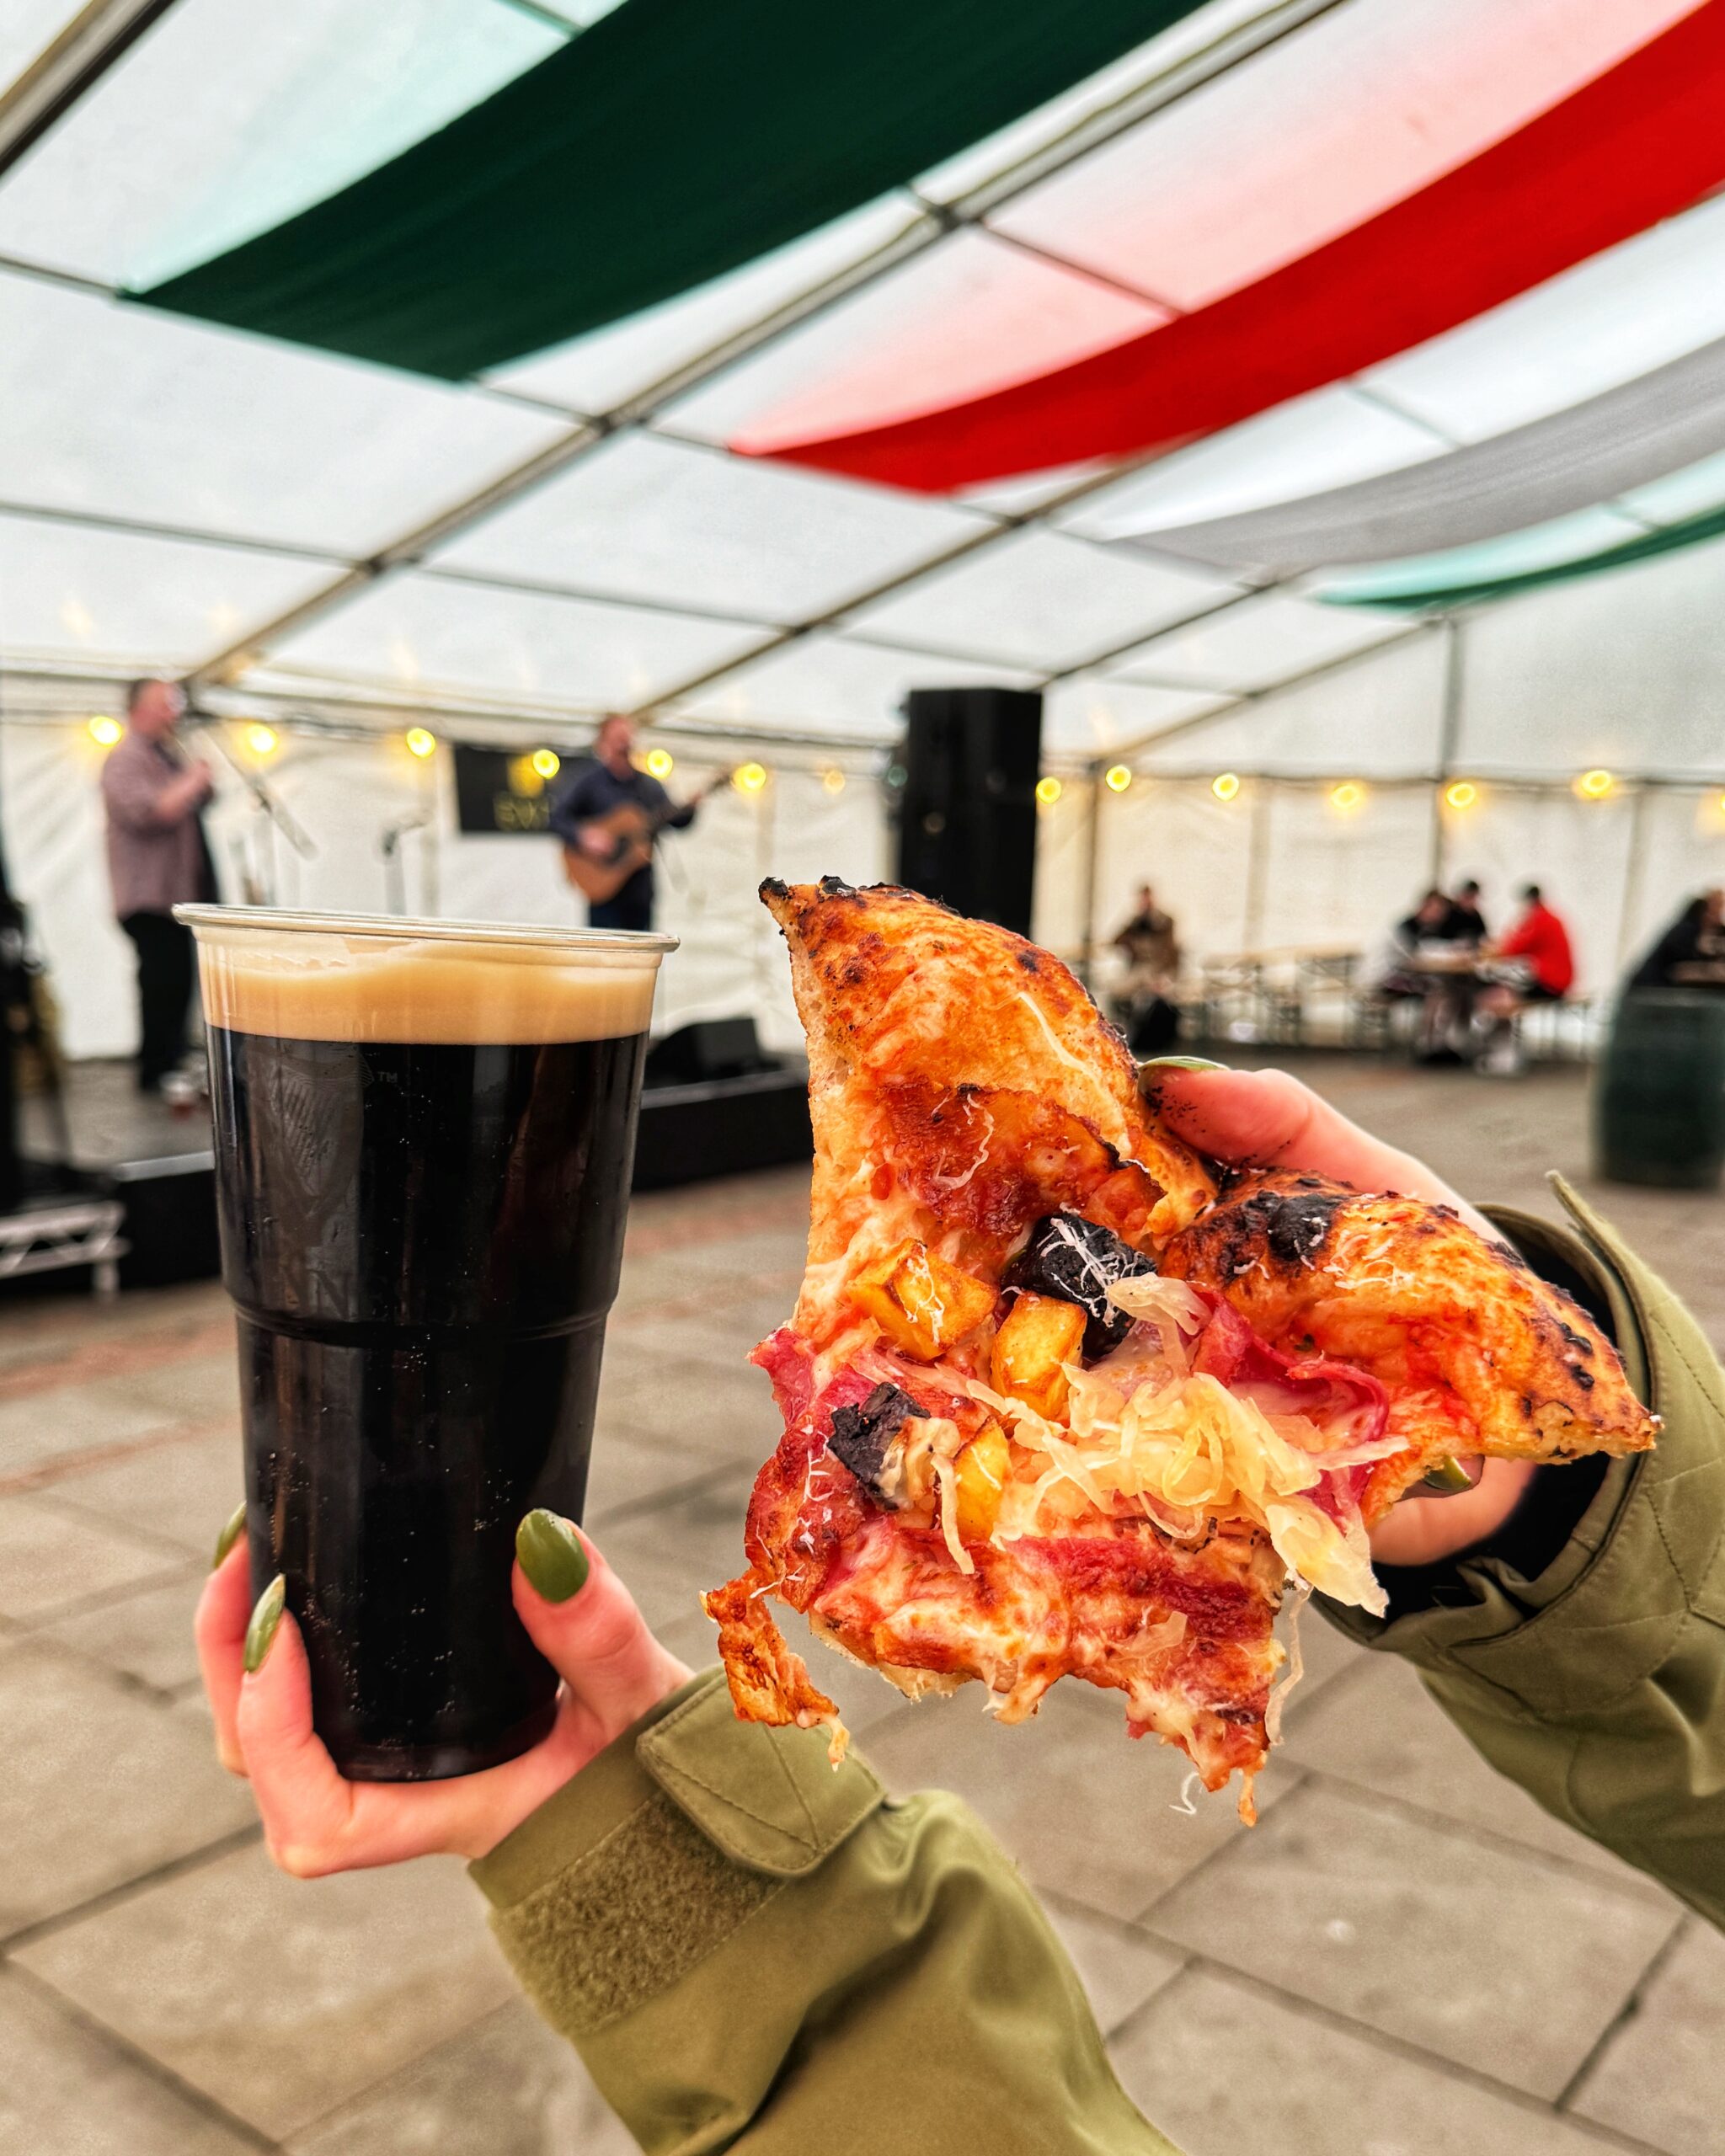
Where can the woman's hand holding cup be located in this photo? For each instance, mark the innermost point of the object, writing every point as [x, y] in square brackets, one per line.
[578, 1614]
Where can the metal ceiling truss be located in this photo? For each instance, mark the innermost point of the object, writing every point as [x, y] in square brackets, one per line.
[94, 41]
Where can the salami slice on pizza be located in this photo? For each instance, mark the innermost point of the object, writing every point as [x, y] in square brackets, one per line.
[1055, 1405]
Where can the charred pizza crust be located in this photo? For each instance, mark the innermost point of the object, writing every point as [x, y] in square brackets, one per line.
[916, 1006]
[1476, 1353]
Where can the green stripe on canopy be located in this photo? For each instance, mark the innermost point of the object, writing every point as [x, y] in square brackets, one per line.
[1463, 589]
[675, 140]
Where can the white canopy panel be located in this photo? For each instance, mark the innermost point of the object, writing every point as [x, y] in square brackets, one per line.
[1264, 639]
[1038, 600]
[422, 628]
[108, 600]
[119, 412]
[682, 524]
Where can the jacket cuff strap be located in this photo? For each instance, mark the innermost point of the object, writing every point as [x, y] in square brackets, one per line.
[650, 1858]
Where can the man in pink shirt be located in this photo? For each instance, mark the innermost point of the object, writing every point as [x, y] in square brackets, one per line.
[158, 859]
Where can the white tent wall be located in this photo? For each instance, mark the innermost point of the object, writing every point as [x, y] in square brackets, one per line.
[1175, 835]
[55, 862]
[1060, 893]
[1335, 876]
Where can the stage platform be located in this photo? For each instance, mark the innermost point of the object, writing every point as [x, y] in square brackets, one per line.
[158, 1167]
[156, 1164]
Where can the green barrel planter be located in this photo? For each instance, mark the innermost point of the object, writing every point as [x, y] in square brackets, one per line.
[1658, 1103]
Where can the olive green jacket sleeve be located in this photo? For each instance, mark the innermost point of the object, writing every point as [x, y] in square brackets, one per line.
[1600, 1686]
[752, 1952]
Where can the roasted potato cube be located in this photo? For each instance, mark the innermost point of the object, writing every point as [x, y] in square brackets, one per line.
[981, 1477]
[1038, 1336]
[920, 1302]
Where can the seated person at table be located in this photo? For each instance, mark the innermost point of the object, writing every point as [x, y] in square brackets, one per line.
[1391, 975]
[1150, 946]
[1395, 976]
[1694, 942]
[1464, 922]
[1533, 963]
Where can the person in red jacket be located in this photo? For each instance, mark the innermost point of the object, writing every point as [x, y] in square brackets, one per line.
[1533, 963]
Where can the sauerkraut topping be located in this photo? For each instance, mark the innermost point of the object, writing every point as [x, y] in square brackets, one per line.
[1148, 1436]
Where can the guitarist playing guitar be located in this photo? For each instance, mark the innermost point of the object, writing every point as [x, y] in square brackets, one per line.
[607, 818]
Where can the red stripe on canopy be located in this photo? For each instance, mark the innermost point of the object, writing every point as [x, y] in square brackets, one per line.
[1643, 140]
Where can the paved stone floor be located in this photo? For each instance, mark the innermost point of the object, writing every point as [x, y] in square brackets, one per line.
[1405, 1959]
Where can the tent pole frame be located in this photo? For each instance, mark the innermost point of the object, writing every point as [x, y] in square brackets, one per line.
[1258, 858]
[1092, 863]
[1633, 878]
[73, 63]
[1449, 735]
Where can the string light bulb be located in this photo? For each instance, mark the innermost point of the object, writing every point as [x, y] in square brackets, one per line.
[832, 780]
[1117, 778]
[749, 778]
[1049, 791]
[1461, 793]
[661, 763]
[1225, 785]
[1595, 785]
[421, 742]
[261, 740]
[1348, 796]
[103, 731]
[547, 763]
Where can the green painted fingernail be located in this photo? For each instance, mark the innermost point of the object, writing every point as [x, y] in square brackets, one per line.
[1448, 1477]
[229, 1535]
[260, 1633]
[551, 1556]
[1181, 1063]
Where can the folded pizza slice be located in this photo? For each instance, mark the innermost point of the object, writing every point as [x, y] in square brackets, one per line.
[1053, 1406]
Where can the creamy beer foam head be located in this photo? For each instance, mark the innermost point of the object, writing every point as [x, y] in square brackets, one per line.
[312, 977]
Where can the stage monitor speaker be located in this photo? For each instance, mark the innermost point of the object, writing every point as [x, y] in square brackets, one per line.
[967, 826]
[711, 1047]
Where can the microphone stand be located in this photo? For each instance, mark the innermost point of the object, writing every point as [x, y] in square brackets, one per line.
[395, 882]
[280, 817]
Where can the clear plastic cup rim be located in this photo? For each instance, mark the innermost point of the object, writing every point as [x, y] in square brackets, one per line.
[404, 928]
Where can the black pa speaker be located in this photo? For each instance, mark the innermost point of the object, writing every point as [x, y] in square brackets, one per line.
[967, 825]
[711, 1047]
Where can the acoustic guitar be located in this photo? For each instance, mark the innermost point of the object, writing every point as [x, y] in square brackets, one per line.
[621, 841]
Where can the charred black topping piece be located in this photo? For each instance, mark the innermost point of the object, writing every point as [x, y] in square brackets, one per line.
[1294, 1224]
[1296, 1228]
[1079, 1262]
[861, 1435]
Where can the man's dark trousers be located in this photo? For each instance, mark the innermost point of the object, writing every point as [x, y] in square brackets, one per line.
[626, 910]
[165, 958]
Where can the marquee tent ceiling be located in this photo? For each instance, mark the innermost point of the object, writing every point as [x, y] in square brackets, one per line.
[578, 529]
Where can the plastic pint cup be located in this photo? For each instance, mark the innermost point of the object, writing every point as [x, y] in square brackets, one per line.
[424, 1134]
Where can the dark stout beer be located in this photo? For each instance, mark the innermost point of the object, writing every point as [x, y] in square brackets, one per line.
[424, 1147]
